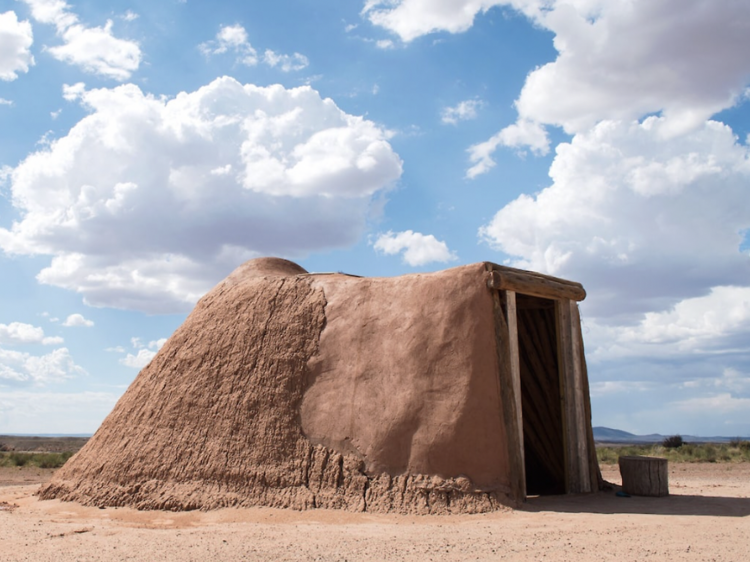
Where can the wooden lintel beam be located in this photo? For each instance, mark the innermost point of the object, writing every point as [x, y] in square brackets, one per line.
[535, 285]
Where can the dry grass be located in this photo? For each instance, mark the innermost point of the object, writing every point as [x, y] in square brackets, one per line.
[735, 451]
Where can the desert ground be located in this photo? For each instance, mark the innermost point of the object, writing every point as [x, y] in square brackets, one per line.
[705, 518]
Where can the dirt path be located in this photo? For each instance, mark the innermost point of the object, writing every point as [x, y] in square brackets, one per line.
[707, 518]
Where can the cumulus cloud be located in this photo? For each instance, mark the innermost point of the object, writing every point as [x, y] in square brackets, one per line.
[144, 354]
[234, 39]
[131, 207]
[463, 111]
[418, 249]
[621, 60]
[641, 222]
[231, 38]
[77, 320]
[74, 91]
[522, 134]
[93, 49]
[410, 19]
[20, 333]
[16, 39]
[21, 368]
[617, 60]
[702, 328]
[285, 63]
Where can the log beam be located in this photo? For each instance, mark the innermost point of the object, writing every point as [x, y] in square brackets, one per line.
[534, 284]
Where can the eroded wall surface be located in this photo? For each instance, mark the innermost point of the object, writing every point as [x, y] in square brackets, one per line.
[225, 413]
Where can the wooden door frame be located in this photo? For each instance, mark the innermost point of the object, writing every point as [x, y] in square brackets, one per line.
[505, 283]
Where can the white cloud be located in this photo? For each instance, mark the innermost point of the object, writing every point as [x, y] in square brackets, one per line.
[625, 59]
[617, 60]
[130, 16]
[25, 411]
[642, 222]
[521, 134]
[231, 38]
[3, 101]
[385, 44]
[16, 39]
[93, 49]
[463, 111]
[699, 328]
[234, 38]
[128, 206]
[140, 360]
[721, 404]
[286, 63]
[21, 368]
[73, 92]
[418, 249]
[20, 333]
[410, 19]
[731, 380]
[77, 320]
[144, 355]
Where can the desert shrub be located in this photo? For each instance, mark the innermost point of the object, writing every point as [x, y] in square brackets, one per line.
[41, 460]
[689, 452]
[53, 460]
[673, 442]
[707, 453]
[606, 455]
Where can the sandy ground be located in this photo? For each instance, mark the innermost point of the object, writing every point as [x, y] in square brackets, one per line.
[706, 518]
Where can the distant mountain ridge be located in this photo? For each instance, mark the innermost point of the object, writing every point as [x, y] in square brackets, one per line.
[609, 435]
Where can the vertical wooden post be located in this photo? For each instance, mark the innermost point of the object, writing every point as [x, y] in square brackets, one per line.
[507, 395]
[570, 364]
[581, 434]
[511, 316]
[595, 475]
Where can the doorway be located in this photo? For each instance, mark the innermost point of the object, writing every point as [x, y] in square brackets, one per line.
[540, 395]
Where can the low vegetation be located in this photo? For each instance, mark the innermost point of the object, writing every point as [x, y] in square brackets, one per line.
[39, 460]
[736, 450]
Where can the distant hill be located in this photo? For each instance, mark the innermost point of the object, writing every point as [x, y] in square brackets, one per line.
[609, 435]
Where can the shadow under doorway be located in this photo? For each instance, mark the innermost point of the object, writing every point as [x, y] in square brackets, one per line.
[540, 395]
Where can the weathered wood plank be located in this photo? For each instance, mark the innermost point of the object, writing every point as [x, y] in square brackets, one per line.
[534, 284]
[508, 401]
[582, 453]
[511, 318]
[567, 394]
[595, 473]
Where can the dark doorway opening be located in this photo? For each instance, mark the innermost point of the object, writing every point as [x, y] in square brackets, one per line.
[540, 396]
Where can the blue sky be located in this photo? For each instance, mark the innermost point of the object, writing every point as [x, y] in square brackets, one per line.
[148, 148]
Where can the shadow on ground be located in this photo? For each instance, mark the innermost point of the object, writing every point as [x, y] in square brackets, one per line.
[609, 503]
